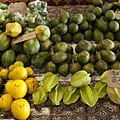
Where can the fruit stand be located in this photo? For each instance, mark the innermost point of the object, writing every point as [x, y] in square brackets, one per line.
[99, 105]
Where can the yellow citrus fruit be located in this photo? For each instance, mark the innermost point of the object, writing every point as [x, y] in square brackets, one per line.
[19, 73]
[7, 86]
[18, 63]
[18, 89]
[32, 85]
[20, 109]
[30, 71]
[10, 75]
[11, 67]
[5, 102]
[4, 73]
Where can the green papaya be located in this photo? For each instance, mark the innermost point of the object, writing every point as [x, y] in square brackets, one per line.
[5, 42]
[40, 59]
[8, 57]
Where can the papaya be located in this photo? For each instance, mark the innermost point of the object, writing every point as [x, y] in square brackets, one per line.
[8, 57]
[40, 59]
[31, 46]
[17, 47]
[24, 57]
[13, 29]
[42, 32]
[5, 41]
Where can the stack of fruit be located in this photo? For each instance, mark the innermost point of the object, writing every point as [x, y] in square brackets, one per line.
[19, 81]
[80, 45]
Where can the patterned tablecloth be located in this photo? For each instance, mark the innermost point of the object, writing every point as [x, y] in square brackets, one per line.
[105, 109]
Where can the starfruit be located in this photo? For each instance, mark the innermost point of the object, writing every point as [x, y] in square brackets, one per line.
[101, 89]
[50, 81]
[114, 94]
[103, 77]
[56, 94]
[39, 96]
[80, 79]
[71, 95]
[89, 95]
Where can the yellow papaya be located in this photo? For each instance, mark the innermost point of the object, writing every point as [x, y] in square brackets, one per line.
[42, 32]
[13, 29]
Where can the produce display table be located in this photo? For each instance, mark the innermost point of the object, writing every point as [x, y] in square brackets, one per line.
[105, 109]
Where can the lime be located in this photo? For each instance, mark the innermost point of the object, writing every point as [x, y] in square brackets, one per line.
[91, 17]
[114, 26]
[1, 82]
[84, 25]
[90, 8]
[67, 38]
[54, 22]
[97, 11]
[56, 38]
[77, 37]
[73, 28]
[97, 2]
[78, 18]
[88, 34]
[110, 15]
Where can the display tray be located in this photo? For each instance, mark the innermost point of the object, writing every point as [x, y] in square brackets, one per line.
[104, 109]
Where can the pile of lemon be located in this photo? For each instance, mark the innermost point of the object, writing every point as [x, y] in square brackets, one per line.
[20, 81]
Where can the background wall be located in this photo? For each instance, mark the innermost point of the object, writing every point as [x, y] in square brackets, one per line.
[57, 2]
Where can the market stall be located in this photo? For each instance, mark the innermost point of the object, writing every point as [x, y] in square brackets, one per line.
[100, 101]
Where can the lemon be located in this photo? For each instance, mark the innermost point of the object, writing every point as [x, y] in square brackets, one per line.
[18, 89]
[19, 73]
[4, 73]
[7, 86]
[20, 109]
[11, 67]
[32, 85]
[18, 63]
[30, 71]
[5, 102]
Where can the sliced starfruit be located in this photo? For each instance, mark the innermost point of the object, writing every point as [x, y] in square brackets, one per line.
[80, 79]
[71, 95]
[89, 95]
[39, 96]
[101, 89]
[50, 81]
[114, 94]
[56, 94]
[103, 77]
